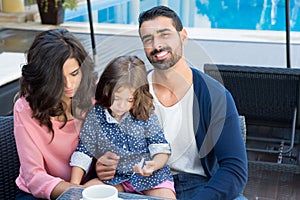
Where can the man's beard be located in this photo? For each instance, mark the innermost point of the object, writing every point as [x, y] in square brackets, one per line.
[166, 63]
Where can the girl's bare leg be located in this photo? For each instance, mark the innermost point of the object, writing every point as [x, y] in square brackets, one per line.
[96, 181]
[161, 192]
[119, 188]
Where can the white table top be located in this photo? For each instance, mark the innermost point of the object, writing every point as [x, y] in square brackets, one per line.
[10, 66]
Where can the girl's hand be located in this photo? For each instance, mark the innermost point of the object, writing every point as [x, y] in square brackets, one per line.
[145, 170]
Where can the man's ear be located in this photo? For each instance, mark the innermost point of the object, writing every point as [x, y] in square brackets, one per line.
[184, 35]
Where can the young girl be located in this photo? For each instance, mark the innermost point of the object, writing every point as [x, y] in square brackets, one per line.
[122, 121]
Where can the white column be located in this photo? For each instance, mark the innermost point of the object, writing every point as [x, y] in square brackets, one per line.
[134, 11]
[121, 13]
[163, 2]
[118, 14]
[185, 5]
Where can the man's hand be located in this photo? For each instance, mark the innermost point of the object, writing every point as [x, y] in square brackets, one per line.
[106, 166]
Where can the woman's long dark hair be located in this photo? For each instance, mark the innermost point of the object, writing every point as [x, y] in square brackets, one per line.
[42, 81]
[126, 71]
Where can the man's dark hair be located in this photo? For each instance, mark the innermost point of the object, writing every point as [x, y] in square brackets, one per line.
[161, 11]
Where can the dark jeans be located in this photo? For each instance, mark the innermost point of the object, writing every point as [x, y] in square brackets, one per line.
[187, 185]
[21, 195]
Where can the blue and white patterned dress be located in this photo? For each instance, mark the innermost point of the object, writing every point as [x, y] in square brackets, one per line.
[131, 139]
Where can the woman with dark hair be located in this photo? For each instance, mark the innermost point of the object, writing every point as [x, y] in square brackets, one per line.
[123, 122]
[56, 90]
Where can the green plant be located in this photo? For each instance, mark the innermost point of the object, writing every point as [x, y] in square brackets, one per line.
[71, 4]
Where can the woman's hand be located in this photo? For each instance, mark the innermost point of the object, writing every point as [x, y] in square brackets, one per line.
[106, 166]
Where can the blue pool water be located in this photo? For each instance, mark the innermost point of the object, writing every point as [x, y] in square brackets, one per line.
[221, 14]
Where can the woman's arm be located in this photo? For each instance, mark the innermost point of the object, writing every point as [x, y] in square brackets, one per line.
[60, 188]
[35, 154]
[63, 186]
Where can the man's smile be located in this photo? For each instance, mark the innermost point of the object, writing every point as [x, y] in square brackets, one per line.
[161, 55]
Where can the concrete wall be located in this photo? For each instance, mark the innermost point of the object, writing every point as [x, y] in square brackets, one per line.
[217, 46]
[241, 53]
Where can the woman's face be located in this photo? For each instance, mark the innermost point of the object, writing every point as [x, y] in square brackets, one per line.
[72, 77]
[122, 102]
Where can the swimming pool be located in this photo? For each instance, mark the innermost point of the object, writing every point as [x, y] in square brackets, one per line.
[221, 14]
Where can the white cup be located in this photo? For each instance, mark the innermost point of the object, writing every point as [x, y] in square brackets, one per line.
[100, 192]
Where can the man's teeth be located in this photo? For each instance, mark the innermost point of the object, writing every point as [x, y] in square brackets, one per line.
[161, 54]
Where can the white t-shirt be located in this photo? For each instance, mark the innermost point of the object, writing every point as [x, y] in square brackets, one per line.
[177, 123]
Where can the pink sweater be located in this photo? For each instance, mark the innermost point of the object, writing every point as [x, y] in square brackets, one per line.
[43, 163]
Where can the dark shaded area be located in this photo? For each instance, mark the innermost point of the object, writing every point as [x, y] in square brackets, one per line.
[268, 98]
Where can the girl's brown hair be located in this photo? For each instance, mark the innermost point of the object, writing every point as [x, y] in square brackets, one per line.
[126, 71]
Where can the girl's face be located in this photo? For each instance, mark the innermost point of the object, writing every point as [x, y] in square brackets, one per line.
[122, 102]
[72, 77]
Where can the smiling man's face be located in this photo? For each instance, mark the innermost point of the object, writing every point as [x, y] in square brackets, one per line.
[162, 43]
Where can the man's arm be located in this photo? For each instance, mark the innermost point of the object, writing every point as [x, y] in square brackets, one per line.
[230, 178]
[106, 166]
[219, 139]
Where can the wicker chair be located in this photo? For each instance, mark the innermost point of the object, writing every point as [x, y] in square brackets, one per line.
[9, 161]
[268, 97]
